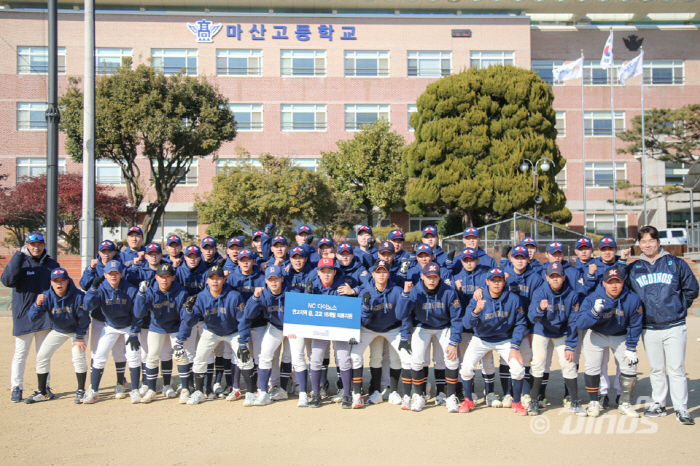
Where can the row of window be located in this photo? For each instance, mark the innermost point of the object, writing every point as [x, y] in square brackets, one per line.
[357, 63]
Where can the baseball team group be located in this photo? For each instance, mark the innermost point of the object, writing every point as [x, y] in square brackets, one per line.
[220, 320]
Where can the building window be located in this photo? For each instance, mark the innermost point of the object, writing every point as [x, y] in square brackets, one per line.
[303, 117]
[358, 115]
[35, 60]
[602, 224]
[594, 75]
[599, 124]
[35, 167]
[239, 62]
[561, 124]
[560, 178]
[177, 223]
[31, 116]
[310, 164]
[108, 60]
[364, 63]
[418, 223]
[411, 110]
[677, 219]
[545, 69]
[303, 62]
[424, 64]
[249, 117]
[664, 72]
[675, 172]
[600, 174]
[190, 177]
[174, 61]
[108, 172]
[481, 60]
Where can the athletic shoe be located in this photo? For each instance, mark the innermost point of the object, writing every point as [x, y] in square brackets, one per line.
[184, 396]
[314, 400]
[217, 389]
[303, 400]
[655, 410]
[604, 401]
[234, 395]
[262, 399]
[406, 403]
[452, 404]
[49, 393]
[627, 410]
[16, 395]
[386, 393]
[196, 398]
[533, 409]
[543, 403]
[375, 398]
[566, 403]
[519, 409]
[508, 401]
[295, 389]
[323, 392]
[168, 392]
[525, 401]
[211, 396]
[466, 406]
[79, 394]
[36, 398]
[577, 409]
[119, 392]
[226, 392]
[143, 390]
[440, 399]
[684, 418]
[149, 396]
[135, 396]
[418, 403]
[493, 401]
[338, 398]
[395, 398]
[357, 401]
[90, 397]
[249, 399]
[593, 409]
[277, 394]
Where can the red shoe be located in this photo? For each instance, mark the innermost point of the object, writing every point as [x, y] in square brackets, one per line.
[519, 409]
[466, 406]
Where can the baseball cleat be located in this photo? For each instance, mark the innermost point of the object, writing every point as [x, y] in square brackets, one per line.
[452, 404]
[440, 399]
[525, 401]
[357, 401]
[604, 401]
[79, 394]
[196, 398]
[493, 401]
[184, 396]
[90, 397]
[375, 398]
[533, 409]
[577, 409]
[226, 392]
[593, 409]
[143, 389]
[277, 394]
[684, 418]
[16, 394]
[119, 392]
[406, 403]
[519, 409]
[37, 398]
[295, 389]
[168, 392]
[323, 392]
[211, 396]
[655, 410]
[262, 399]
[218, 389]
[418, 403]
[314, 400]
[338, 398]
[249, 399]
[627, 410]
[303, 400]
[566, 403]
[508, 401]
[149, 396]
[543, 403]
[135, 396]
[386, 393]
[466, 406]
[395, 398]
[234, 395]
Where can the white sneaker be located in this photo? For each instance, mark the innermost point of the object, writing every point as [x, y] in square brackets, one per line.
[525, 401]
[217, 389]
[338, 398]
[440, 399]
[418, 403]
[303, 400]
[357, 402]
[262, 399]
[119, 392]
[249, 399]
[184, 396]
[493, 401]
[148, 397]
[406, 403]
[91, 396]
[196, 398]
[375, 398]
[452, 404]
[277, 394]
[234, 395]
[135, 396]
[593, 409]
[508, 401]
[143, 389]
[168, 392]
[395, 398]
[627, 410]
[386, 393]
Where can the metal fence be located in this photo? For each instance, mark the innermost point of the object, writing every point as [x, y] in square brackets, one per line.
[693, 237]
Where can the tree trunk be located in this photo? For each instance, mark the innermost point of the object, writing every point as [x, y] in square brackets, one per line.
[151, 222]
[368, 211]
[467, 218]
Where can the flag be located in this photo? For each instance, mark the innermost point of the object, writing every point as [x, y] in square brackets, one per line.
[607, 58]
[573, 70]
[631, 69]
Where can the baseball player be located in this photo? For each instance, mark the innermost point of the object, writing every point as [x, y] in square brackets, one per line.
[555, 253]
[472, 239]
[192, 275]
[396, 238]
[233, 247]
[115, 296]
[351, 267]
[135, 250]
[430, 237]
[174, 247]
[28, 274]
[531, 245]
[279, 249]
[304, 238]
[366, 250]
[63, 303]
[667, 288]
[499, 324]
[210, 254]
[613, 314]
[297, 273]
[325, 248]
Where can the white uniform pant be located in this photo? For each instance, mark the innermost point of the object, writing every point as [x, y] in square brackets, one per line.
[487, 366]
[398, 359]
[438, 355]
[108, 338]
[51, 343]
[19, 360]
[476, 351]
[422, 338]
[666, 352]
[318, 353]
[157, 347]
[119, 348]
[525, 351]
[205, 348]
[540, 345]
[271, 342]
[595, 344]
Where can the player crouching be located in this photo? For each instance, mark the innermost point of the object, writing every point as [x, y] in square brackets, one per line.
[499, 323]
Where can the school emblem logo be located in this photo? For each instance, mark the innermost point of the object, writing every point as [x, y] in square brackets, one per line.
[204, 30]
[57, 272]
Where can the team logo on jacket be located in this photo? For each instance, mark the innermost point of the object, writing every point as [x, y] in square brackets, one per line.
[654, 278]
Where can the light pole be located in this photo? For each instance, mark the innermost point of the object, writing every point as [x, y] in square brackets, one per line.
[544, 164]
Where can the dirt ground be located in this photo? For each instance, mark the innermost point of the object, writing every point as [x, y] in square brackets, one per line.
[219, 432]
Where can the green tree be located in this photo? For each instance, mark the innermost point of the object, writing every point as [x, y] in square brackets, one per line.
[276, 192]
[366, 168]
[473, 130]
[141, 113]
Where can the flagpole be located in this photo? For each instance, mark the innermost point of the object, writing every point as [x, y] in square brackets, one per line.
[644, 149]
[583, 152]
[612, 119]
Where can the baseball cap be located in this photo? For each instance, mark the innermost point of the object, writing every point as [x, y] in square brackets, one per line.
[424, 249]
[193, 249]
[174, 239]
[114, 266]
[396, 234]
[273, 271]
[303, 229]
[235, 241]
[431, 268]
[607, 242]
[165, 269]
[256, 234]
[495, 272]
[246, 253]
[298, 251]
[326, 262]
[614, 272]
[279, 239]
[430, 230]
[366, 228]
[325, 242]
[108, 245]
[555, 246]
[154, 247]
[209, 241]
[469, 253]
[471, 231]
[215, 270]
[555, 267]
[35, 238]
[342, 247]
[385, 246]
[135, 229]
[59, 273]
[381, 265]
[528, 241]
[584, 241]
[520, 251]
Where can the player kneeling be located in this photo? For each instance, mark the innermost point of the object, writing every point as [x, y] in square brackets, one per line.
[499, 323]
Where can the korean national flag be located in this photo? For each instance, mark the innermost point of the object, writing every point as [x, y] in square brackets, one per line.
[607, 58]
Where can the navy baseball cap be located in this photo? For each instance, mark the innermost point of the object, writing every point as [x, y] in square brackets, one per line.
[555, 246]
[108, 245]
[424, 249]
[154, 247]
[165, 269]
[256, 234]
[246, 253]
[298, 251]
[343, 247]
[35, 237]
[216, 270]
[614, 273]
[385, 246]
[607, 242]
[430, 230]
[114, 266]
[209, 241]
[235, 241]
[304, 229]
[431, 268]
[381, 265]
[59, 273]
[325, 242]
[469, 253]
[495, 272]
[520, 251]
[193, 249]
[174, 239]
[555, 268]
[471, 231]
[528, 241]
[279, 239]
[396, 234]
[135, 229]
[273, 271]
[326, 263]
[366, 228]
[584, 241]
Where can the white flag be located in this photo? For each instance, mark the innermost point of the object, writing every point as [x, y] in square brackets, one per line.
[607, 58]
[573, 70]
[631, 69]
